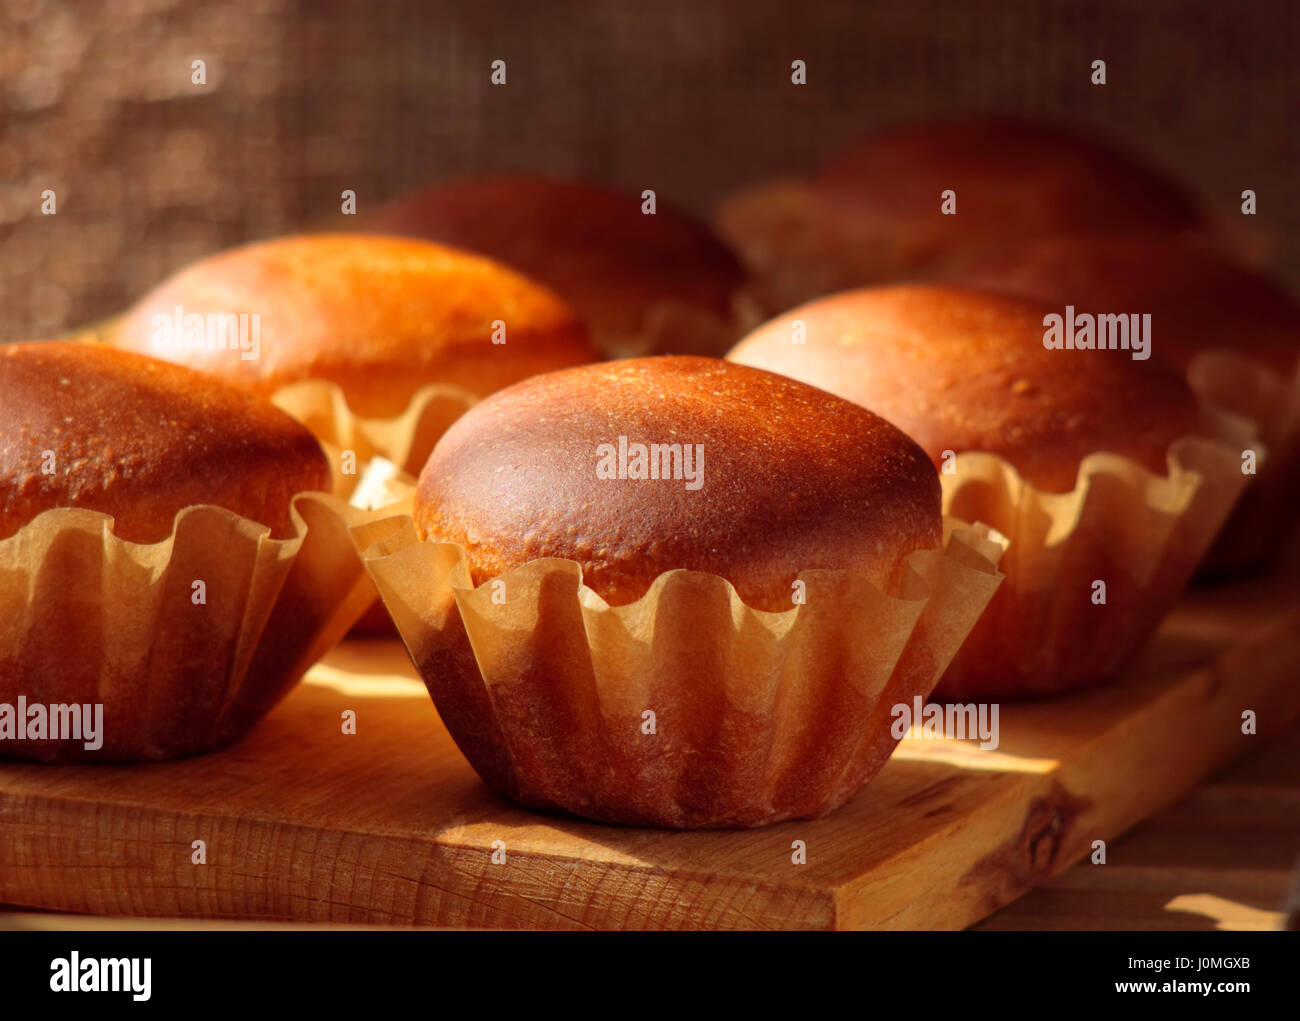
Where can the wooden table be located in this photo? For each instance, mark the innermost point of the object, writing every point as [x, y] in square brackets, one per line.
[392, 827]
[1221, 858]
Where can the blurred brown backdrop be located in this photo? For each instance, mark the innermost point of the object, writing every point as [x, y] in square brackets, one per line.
[308, 97]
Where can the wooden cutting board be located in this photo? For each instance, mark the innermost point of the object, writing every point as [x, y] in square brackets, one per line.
[391, 826]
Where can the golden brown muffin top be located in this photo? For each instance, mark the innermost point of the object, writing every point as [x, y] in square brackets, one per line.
[1198, 298]
[380, 317]
[963, 370]
[140, 439]
[592, 245]
[1014, 179]
[793, 479]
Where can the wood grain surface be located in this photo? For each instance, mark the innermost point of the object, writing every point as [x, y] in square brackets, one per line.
[391, 827]
[1225, 857]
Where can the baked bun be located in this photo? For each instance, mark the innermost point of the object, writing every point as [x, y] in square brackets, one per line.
[616, 265]
[139, 439]
[1233, 331]
[679, 648]
[380, 317]
[1089, 461]
[881, 211]
[1014, 180]
[961, 370]
[1199, 298]
[793, 479]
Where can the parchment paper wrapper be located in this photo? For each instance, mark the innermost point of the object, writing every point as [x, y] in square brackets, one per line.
[406, 439]
[1268, 513]
[758, 716]
[86, 617]
[383, 487]
[1142, 534]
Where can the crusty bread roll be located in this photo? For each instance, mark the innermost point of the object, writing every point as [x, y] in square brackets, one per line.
[960, 370]
[594, 246]
[140, 439]
[904, 202]
[381, 317]
[793, 479]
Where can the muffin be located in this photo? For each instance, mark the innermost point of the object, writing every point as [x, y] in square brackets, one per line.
[376, 343]
[156, 558]
[1232, 331]
[644, 284]
[677, 592]
[1092, 463]
[875, 213]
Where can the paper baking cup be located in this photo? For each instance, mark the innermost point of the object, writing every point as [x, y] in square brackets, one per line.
[757, 716]
[386, 488]
[1266, 517]
[406, 439]
[1140, 534]
[87, 618]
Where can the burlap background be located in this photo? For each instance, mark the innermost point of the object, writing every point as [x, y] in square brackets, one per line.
[308, 97]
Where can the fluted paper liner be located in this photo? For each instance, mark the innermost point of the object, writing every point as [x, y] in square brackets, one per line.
[1140, 533]
[758, 716]
[385, 487]
[405, 439]
[87, 617]
[1266, 517]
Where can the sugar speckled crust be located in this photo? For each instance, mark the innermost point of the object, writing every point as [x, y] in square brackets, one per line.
[962, 370]
[381, 317]
[1014, 179]
[590, 244]
[794, 479]
[1199, 298]
[141, 439]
